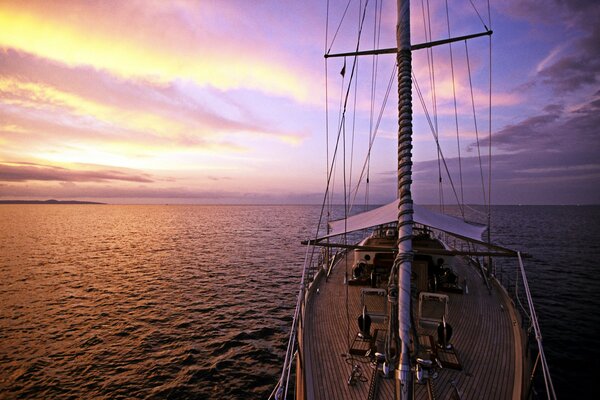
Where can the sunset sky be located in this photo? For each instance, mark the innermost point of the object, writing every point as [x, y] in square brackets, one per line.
[224, 101]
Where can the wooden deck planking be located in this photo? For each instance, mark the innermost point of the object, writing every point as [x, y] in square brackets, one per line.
[484, 345]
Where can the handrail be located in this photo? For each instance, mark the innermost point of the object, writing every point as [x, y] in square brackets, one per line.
[517, 299]
[538, 333]
[279, 390]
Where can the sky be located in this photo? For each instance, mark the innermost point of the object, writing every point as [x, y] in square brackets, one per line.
[226, 101]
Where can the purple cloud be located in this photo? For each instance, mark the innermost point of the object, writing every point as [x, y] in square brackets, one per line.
[22, 172]
[578, 64]
[191, 106]
[555, 131]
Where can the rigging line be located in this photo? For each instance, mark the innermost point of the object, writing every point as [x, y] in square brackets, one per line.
[345, 183]
[435, 113]
[385, 99]
[430, 61]
[353, 116]
[327, 113]
[353, 130]
[327, 189]
[345, 237]
[326, 197]
[476, 211]
[335, 150]
[378, 40]
[371, 134]
[431, 67]
[490, 131]
[475, 122]
[352, 75]
[462, 197]
[435, 136]
[433, 86]
[341, 119]
[354, 66]
[372, 103]
[374, 73]
[489, 220]
[342, 106]
[343, 112]
[331, 167]
[326, 26]
[328, 49]
[373, 76]
[355, 59]
[362, 174]
[341, 122]
[479, 15]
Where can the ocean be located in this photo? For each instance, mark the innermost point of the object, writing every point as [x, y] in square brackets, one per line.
[153, 301]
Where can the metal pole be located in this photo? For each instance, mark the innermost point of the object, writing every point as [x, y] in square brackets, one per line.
[405, 207]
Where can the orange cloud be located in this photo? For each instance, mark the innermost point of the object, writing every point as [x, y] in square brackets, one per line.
[105, 132]
[41, 96]
[134, 48]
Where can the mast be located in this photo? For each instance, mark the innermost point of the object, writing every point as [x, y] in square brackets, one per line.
[405, 206]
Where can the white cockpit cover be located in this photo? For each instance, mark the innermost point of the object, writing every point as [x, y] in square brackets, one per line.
[389, 213]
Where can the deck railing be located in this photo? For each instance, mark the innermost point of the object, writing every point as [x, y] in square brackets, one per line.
[310, 270]
[541, 357]
[518, 290]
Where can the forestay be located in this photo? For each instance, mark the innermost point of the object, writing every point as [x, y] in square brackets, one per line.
[389, 213]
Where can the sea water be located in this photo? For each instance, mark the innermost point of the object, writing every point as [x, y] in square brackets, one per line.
[111, 301]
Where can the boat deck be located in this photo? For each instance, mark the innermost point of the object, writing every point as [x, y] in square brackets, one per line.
[483, 340]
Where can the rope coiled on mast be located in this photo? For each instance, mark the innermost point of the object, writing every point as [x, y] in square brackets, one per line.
[404, 141]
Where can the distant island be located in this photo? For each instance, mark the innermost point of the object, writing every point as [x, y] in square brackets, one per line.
[47, 202]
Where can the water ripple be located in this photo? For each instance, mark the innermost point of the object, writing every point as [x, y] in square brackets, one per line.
[146, 301]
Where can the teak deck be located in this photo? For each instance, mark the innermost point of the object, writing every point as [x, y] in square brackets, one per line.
[485, 342]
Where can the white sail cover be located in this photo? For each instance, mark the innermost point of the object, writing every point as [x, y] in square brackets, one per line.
[389, 213]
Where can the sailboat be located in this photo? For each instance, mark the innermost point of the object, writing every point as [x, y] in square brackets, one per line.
[413, 310]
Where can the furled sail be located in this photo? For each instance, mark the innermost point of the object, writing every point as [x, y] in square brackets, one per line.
[389, 213]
